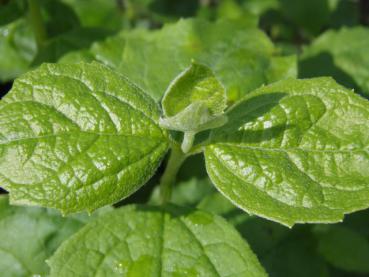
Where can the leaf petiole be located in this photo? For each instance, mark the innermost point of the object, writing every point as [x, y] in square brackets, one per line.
[187, 142]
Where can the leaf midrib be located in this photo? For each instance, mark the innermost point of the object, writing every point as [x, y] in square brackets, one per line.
[290, 149]
[78, 132]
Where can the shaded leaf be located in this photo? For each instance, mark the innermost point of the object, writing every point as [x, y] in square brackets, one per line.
[344, 248]
[30, 235]
[11, 11]
[341, 54]
[97, 13]
[76, 39]
[295, 255]
[186, 193]
[17, 49]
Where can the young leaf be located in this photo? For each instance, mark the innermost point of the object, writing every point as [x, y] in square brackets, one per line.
[196, 84]
[294, 151]
[77, 137]
[194, 118]
[30, 235]
[341, 54]
[148, 241]
[194, 102]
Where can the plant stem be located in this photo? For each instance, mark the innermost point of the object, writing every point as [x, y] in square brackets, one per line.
[37, 24]
[176, 159]
[187, 141]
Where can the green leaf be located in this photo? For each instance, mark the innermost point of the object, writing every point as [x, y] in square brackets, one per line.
[166, 10]
[238, 54]
[110, 51]
[186, 193]
[344, 248]
[344, 13]
[58, 17]
[282, 68]
[262, 235]
[341, 54]
[197, 83]
[30, 235]
[83, 55]
[294, 255]
[218, 204]
[194, 118]
[17, 49]
[231, 51]
[148, 241]
[359, 222]
[295, 151]
[11, 11]
[233, 9]
[76, 39]
[194, 102]
[193, 167]
[258, 7]
[77, 137]
[309, 15]
[283, 252]
[18, 46]
[97, 13]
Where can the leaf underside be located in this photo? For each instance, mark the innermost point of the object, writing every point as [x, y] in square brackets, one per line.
[195, 84]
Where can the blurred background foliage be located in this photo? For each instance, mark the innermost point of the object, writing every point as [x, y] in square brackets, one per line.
[298, 38]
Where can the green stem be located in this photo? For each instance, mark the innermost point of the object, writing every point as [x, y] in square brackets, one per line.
[187, 141]
[176, 159]
[37, 24]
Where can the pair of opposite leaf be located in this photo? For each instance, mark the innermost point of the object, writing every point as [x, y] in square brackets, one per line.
[80, 136]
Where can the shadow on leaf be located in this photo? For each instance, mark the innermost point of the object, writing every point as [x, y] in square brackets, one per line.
[248, 111]
[323, 65]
